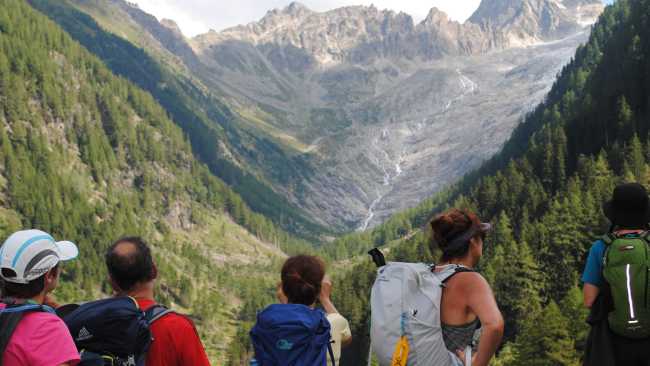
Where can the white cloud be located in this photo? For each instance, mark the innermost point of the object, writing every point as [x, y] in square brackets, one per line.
[198, 16]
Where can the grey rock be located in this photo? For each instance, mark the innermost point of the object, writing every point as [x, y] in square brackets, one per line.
[387, 111]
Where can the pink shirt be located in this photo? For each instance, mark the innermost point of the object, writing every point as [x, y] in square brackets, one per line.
[41, 339]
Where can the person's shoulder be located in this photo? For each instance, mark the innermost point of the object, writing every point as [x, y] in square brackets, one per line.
[598, 246]
[470, 280]
[174, 321]
[44, 318]
[336, 318]
[468, 276]
[44, 323]
[338, 323]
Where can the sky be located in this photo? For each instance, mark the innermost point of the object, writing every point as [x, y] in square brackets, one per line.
[199, 16]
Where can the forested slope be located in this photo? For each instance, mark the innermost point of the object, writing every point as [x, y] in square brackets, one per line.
[230, 152]
[543, 192]
[90, 157]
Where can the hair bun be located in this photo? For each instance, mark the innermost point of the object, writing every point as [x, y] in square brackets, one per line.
[449, 225]
[301, 279]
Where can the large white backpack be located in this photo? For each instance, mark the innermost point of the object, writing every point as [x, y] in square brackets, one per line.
[405, 302]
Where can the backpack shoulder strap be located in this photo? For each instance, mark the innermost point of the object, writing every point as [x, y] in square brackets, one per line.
[646, 236]
[458, 269]
[331, 353]
[10, 317]
[8, 324]
[608, 239]
[156, 312]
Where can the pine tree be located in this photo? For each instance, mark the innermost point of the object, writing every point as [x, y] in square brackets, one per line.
[635, 159]
[514, 274]
[626, 124]
[576, 313]
[545, 340]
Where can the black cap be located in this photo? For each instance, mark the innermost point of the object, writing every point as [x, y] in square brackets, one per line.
[462, 239]
[629, 207]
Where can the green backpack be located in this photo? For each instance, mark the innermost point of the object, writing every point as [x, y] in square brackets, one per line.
[625, 267]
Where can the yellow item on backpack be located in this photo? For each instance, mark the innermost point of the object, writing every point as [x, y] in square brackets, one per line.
[401, 354]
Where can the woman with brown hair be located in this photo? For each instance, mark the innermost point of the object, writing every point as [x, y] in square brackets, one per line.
[468, 306]
[295, 333]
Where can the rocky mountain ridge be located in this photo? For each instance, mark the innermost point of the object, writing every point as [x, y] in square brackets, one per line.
[382, 111]
[340, 35]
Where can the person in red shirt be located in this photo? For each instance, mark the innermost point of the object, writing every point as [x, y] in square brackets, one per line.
[132, 272]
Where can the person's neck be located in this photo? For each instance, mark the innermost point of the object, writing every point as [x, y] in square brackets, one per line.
[466, 262]
[144, 292]
[39, 299]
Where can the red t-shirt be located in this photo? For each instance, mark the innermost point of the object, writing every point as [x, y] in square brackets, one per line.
[176, 342]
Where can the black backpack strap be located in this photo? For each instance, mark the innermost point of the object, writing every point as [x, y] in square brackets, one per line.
[646, 236]
[608, 239]
[9, 321]
[8, 324]
[331, 353]
[459, 269]
[156, 312]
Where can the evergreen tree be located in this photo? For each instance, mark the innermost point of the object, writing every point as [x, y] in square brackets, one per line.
[545, 340]
[626, 124]
[515, 277]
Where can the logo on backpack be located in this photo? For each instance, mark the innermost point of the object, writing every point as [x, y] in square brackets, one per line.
[284, 345]
[130, 361]
[84, 335]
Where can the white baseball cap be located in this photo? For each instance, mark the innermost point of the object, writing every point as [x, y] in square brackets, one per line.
[29, 254]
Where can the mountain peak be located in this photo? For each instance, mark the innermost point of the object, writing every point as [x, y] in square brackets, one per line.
[524, 22]
[293, 10]
[436, 16]
[170, 24]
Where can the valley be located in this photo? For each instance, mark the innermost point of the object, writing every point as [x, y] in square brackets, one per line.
[327, 133]
[321, 87]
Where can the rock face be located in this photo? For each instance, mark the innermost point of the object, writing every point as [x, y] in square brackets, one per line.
[360, 34]
[525, 22]
[385, 111]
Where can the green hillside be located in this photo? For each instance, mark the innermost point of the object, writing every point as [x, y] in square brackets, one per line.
[89, 157]
[108, 140]
[543, 192]
[237, 156]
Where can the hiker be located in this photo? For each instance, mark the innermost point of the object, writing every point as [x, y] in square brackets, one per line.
[616, 282]
[340, 327]
[133, 273]
[406, 323]
[468, 303]
[294, 332]
[30, 332]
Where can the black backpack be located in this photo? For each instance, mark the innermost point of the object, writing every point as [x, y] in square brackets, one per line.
[10, 316]
[113, 331]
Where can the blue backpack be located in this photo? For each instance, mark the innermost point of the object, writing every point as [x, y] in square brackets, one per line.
[113, 331]
[292, 335]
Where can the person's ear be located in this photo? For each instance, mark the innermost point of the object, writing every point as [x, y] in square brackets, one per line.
[53, 273]
[154, 272]
[116, 289]
[52, 276]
